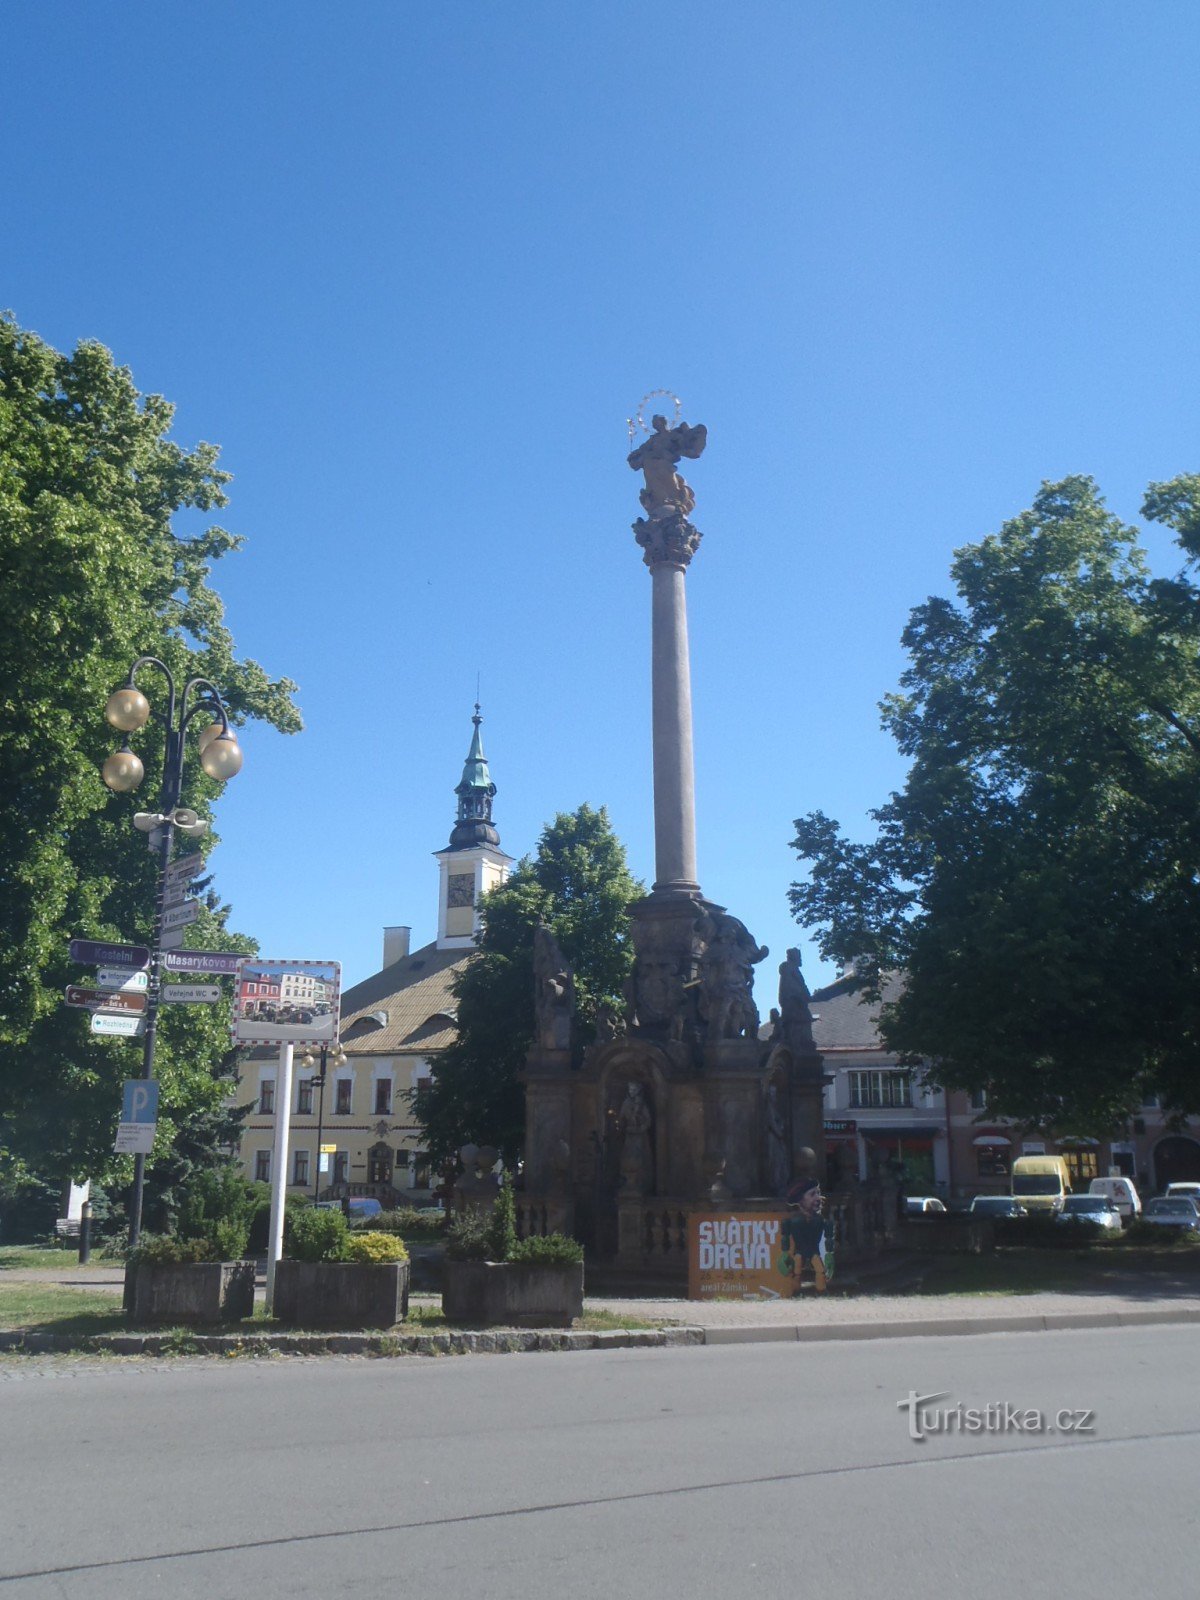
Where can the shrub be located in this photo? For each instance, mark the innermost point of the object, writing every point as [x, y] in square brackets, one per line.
[167, 1250]
[467, 1238]
[502, 1229]
[315, 1235]
[260, 1218]
[406, 1220]
[1046, 1233]
[230, 1238]
[374, 1249]
[218, 1206]
[548, 1250]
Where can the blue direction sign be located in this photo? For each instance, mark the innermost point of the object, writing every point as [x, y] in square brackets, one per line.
[94, 953]
[140, 1100]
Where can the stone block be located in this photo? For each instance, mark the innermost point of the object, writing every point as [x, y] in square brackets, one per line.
[192, 1292]
[341, 1294]
[512, 1294]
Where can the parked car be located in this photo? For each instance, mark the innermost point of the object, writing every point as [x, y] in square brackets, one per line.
[1172, 1211]
[363, 1206]
[1095, 1208]
[1190, 1190]
[917, 1205]
[1122, 1194]
[997, 1205]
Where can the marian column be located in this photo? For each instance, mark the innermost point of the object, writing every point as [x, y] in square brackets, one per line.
[669, 541]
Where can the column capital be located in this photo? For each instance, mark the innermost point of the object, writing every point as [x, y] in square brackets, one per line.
[672, 541]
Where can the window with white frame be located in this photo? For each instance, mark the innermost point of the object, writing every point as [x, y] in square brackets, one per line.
[344, 1093]
[880, 1089]
[304, 1097]
[383, 1097]
[262, 1166]
[266, 1096]
[300, 1167]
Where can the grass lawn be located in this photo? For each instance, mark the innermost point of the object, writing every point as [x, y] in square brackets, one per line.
[50, 1308]
[53, 1308]
[36, 1255]
[1173, 1269]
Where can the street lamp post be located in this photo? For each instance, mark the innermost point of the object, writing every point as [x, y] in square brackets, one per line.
[308, 1062]
[220, 756]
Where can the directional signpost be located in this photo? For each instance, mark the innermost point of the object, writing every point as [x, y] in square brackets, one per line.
[104, 999]
[189, 994]
[180, 915]
[183, 868]
[118, 1024]
[94, 953]
[219, 962]
[119, 978]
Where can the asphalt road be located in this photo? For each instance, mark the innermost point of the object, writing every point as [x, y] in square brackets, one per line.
[765, 1470]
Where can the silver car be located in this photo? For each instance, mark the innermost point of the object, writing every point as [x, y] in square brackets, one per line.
[1095, 1208]
[1172, 1211]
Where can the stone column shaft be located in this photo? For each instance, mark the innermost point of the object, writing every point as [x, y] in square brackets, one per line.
[674, 772]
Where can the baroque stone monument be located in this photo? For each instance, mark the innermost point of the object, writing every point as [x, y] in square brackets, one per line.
[684, 1102]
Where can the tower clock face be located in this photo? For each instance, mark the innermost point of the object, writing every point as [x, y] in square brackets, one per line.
[460, 889]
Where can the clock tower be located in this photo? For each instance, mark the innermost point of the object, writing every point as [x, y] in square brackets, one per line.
[473, 862]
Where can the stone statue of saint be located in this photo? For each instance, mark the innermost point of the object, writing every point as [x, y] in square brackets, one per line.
[727, 979]
[636, 1158]
[794, 997]
[666, 494]
[554, 991]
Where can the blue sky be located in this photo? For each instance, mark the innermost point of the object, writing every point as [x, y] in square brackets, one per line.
[413, 267]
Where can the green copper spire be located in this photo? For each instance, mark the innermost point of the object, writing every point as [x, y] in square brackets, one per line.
[474, 825]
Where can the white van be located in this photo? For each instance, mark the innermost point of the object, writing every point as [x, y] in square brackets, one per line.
[1122, 1194]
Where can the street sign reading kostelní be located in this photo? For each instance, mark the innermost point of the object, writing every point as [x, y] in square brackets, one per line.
[286, 1002]
[759, 1254]
[94, 953]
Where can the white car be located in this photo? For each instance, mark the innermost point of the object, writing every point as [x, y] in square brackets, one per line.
[920, 1205]
[1090, 1208]
[1190, 1191]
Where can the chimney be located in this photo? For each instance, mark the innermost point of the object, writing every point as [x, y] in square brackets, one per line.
[395, 945]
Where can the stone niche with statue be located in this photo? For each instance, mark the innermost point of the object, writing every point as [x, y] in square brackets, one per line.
[683, 1102]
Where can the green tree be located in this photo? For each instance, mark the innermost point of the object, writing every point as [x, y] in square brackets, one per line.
[580, 885]
[1038, 877]
[94, 574]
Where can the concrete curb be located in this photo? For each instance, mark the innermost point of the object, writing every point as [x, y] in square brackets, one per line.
[520, 1341]
[932, 1327]
[507, 1341]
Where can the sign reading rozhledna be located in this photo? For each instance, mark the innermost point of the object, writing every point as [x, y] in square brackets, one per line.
[287, 1002]
[753, 1255]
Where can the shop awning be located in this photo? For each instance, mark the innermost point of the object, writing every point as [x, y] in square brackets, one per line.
[992, 1139]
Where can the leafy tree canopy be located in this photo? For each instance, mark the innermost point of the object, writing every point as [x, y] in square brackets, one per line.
[1038, 877]
[580, 885]
[94, 575]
